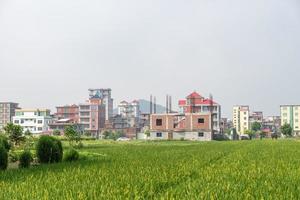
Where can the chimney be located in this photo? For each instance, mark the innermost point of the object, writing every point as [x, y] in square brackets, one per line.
[170, 104]
[167, 104]
[151, 104]
[155, 105]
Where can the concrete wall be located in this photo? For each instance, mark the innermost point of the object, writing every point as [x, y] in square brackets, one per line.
[181, 135]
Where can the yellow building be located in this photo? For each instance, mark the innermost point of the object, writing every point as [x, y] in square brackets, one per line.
[290, 114]
[241, 119]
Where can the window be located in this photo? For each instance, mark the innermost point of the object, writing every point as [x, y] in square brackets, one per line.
[200, 120]
[22, 121]
[158, 122]
[245, 118]
[40, 121]
[16, 121]
[40, 128]
[159, 134]
[200, 134]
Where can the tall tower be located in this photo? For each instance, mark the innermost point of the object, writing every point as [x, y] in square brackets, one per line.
[105, 96]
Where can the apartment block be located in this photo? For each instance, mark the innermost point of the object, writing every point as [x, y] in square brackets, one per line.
[195, 103]
[7, 111]
[129, 109]
[68, 112]
[92, 116]
[241, 118]
[34, 120]
[176, 126]
[290, 114]
[106, 100]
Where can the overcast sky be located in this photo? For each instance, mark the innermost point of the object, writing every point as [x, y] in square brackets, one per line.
[241, 51]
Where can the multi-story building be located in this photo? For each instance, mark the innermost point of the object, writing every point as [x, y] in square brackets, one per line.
[129, 110]
[107, 101]
[68, 112]
[257, 116]
[225, 125]
[61, 124]
[290, 114]
[241, 119]
[272, 124]
[195, 103]
[92, 116]
[7, 111]
[34, 120]
[188, 126]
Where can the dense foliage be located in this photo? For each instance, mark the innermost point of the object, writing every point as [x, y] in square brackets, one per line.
[25, 159]
[15, 133]
[4, 142]
[261, 169]
[49, 149]
[3, 157]
[71, 155]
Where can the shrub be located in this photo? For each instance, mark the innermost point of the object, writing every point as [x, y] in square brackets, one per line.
[25, 159]
[4, 141]
[13, 157]
[71, 155]
[3, 157]
[49, 150]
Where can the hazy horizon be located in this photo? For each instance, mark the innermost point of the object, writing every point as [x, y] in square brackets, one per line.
[242, 52]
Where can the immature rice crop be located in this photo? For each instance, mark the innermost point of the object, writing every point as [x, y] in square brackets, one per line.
[165, 170]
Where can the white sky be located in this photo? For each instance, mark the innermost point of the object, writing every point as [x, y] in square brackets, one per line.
[241, 51]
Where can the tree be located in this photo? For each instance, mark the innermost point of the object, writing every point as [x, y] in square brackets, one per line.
[250, 133]
[72, 134]
[147, 133]
[56, 132]
[15, 133]
[256, 126]
[286, 130]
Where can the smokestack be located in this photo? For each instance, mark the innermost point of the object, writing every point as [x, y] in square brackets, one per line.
[167, 104]
[151, 104]
[170, 104]
[154, 104]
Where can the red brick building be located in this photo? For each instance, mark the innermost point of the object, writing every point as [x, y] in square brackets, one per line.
[68, 112]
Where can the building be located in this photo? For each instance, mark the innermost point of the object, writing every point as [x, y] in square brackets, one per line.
[92, 116]
[177, 126]
[34, 120]
[225, 125]
[256, 116]
[7, 111]
[61, 124]
[129, 110]
[271, 125]
[290, 114]
[68, 112]
[195, 103]
[241, 119]
[107, 101]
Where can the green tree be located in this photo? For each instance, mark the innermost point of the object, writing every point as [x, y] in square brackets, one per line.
[72, 134]
[56, 132]
[15, 133]
[250, 133]
[286, 130]
[256, 126]
[147, 133]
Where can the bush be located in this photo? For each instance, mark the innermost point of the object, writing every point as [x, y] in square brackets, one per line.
[71, 155]
[25, 159]
[49, 150]
[13, 157]
[4, 141]
[3, 157]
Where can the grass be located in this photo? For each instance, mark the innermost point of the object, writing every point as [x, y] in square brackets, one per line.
[165, 170]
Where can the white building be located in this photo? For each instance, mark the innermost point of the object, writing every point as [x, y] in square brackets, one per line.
[34, 120]
[290, 114]
[241, 119]
[129, 110]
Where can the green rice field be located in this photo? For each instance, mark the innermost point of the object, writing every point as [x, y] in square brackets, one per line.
[165, 170]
